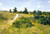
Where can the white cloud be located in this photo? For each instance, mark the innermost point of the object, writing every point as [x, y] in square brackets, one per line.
[48, 1]
[4, 9]
[0, 4]
[38, 6]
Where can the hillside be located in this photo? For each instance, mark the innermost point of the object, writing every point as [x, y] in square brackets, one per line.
[37, 28]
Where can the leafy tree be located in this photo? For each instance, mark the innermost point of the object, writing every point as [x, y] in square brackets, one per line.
[39, 13]
[34, 12]
[15, 10]
[25, 11]
[10, 11]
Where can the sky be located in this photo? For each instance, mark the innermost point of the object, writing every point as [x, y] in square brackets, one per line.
[43, 5]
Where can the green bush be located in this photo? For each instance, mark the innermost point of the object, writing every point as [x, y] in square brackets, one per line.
[23, 22]
[41, 16]
[36, 17]
[39, 12]
[45, 20]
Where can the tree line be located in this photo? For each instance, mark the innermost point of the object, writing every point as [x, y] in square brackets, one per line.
[26, 11]
[15, 11]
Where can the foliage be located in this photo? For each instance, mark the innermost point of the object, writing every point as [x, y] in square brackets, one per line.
[25, 11]
[39, 12]
[44, 20]
[34, 12]
[24, 22]
[15, 10]
[37, 29]
[10, 11]
[36, 17]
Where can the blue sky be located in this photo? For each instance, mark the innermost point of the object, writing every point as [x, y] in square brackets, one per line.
[43, 5]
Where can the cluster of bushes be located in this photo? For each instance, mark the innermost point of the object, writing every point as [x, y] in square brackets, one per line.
[23, 22]
[42, 19]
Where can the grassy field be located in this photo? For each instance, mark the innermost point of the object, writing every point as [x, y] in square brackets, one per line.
[36, 29]
[6, 16]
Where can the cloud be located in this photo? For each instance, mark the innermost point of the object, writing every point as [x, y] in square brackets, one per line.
[5, 9]
[48, 1]
[38, 6]
[0, 3]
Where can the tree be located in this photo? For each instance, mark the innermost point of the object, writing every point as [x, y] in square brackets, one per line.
[34, 12]
[15, 10]
[10, 11]
[39, 13]
[25, 11]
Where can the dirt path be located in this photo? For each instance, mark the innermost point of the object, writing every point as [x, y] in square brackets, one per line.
[10, 22]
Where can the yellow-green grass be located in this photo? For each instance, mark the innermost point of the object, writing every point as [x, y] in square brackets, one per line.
[7, 15]
[36, 29]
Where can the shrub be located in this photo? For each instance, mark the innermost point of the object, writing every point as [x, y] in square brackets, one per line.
[36, 17]
[23, 22]
[39, 13]
[44, 21]
[41, 16]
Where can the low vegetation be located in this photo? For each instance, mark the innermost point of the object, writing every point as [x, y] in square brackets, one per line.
[5, 16]
[23, 22]
[35, 22]
[44, 18]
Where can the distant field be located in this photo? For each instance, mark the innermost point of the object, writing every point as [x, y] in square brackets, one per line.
[36, 29]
